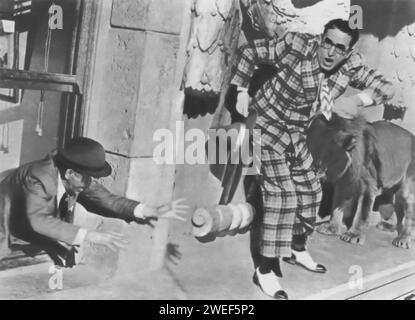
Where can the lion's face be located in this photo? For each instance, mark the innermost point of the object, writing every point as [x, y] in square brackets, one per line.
[331, 145]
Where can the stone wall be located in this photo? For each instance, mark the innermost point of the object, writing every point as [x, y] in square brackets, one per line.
[388, 43]
[141, 50]
[18, 120]
[135, 91]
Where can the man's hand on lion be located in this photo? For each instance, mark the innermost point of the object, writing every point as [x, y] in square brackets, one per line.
[348, 107]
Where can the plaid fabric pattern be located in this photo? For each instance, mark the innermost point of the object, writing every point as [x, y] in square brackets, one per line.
[284, 105]
[292, 195]
[288, 97]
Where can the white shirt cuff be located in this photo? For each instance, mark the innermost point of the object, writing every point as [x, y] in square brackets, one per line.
[80, 237]
[366, 99]
[241, 136]
[138, 211]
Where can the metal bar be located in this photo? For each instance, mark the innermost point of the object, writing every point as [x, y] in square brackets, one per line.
[86, 53]
[70, 127]
[37, 85]
[22, 79]
[71, 67]
[37, 75]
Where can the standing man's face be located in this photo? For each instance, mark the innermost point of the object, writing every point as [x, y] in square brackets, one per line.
[76, 182]
[334, 49]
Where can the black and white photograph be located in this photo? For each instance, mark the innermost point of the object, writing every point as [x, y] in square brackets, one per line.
[207, 154]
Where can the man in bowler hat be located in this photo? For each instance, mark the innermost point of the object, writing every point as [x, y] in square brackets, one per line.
[37, 202]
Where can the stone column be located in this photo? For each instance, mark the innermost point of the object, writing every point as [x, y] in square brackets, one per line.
[135, 91]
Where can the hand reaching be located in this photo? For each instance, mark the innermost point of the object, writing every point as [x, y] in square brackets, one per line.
[112, 240]
[172, 210]
[167, 211]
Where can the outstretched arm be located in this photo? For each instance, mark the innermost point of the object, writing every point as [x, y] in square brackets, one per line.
[41, 209]
[249, 56]
[97, 199]
[376, 89]
[256, 52]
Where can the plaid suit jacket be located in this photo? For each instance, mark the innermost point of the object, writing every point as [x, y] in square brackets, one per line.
[284, 103]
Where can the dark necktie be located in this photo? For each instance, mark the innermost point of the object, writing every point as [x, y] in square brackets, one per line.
[65, 212]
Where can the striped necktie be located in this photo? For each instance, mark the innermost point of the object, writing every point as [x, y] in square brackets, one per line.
[326, 99]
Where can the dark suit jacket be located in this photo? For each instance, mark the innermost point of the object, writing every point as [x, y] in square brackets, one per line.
[29, 206]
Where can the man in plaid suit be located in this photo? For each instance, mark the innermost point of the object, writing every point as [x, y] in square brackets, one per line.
[312, 73]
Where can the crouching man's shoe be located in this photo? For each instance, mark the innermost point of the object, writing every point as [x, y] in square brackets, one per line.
[269, 284]
[303, 259]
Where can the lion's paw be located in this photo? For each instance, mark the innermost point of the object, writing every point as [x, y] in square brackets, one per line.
[329, 229]
[403, 242]
[353, 238]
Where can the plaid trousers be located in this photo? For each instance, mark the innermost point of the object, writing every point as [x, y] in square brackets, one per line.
[291, 194]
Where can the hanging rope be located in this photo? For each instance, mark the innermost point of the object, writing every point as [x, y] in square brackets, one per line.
[40, 112]
[41, 106]
[4, 147]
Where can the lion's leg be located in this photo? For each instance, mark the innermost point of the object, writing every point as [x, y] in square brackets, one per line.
[357, 233]
[387, 212]
[404, 202]
[385, 206]
[335, 226]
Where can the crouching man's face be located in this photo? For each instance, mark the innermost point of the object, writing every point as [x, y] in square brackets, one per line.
[334, 49]
[76, 182]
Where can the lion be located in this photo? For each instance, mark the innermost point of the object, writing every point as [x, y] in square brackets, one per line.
[365, 162]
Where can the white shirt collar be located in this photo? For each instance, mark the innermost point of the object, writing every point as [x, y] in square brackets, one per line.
[61, 189]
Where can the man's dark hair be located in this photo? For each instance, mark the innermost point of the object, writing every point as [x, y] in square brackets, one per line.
[343, 25]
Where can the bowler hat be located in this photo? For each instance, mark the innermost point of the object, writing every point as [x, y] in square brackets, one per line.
[85, 156]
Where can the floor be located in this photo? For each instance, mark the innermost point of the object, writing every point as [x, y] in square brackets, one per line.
[222, 269]
[225, 273]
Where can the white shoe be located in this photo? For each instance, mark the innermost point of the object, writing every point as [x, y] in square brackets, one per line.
[303, 259]
[270, 285]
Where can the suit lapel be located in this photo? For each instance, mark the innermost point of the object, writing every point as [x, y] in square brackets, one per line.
[310, 78]
[47, 173]
[338, 83]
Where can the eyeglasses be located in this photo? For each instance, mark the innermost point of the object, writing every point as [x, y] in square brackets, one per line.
[338, 48]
